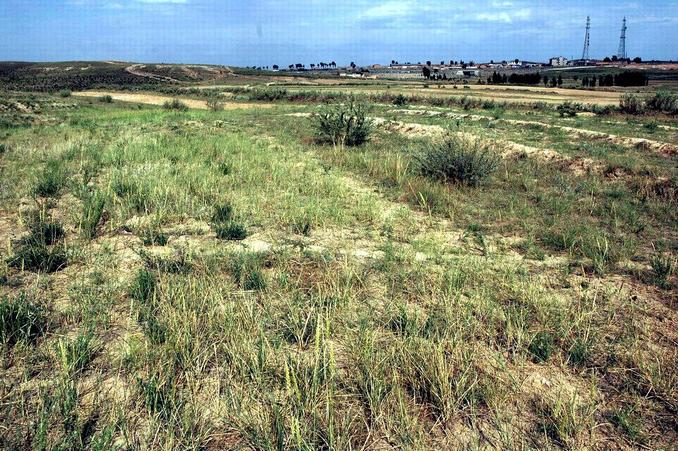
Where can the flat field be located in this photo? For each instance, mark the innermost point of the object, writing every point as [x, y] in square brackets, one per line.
[220, 280]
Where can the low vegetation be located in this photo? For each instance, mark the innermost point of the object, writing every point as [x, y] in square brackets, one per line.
[343, 125]
[458, 160]
[339, 277]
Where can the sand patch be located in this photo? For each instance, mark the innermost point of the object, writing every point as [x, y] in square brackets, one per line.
[154, 99]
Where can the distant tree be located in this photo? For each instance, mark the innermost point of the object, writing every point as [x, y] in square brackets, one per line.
[451, 63]
[463, 66]
[353, 66]
[426, 71]
[428, 63]
[442, 63]
[560, 80]
[637, 60]
[491, 61]
[554, 81]
[614, 58]
[516, 60]
[607, 59]
[592, 82]
[546, 80]
[312, 66]
[291, 66]
[585, 81]
[576, 77]
[444, 76]
[333, 64]
[275, 67]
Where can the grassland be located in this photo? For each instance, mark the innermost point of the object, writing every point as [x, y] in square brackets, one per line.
[218, 280]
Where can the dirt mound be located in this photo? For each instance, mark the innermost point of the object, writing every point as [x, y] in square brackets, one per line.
[638, 143]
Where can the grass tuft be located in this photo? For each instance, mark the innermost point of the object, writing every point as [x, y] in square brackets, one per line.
[21, 320]
[458, 160]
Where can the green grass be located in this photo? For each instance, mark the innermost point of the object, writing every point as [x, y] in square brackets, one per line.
[370, 306]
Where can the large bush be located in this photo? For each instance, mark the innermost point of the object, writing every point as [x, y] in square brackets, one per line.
[664, 101]
[458, 160]
[631, 104]
[343, 125]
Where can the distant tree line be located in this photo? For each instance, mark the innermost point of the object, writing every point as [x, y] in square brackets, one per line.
[516, 79]
[630, 78]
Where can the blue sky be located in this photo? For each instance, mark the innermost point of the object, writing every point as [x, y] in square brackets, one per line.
[267, 32]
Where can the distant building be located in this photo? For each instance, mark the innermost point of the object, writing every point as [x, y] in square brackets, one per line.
[468, 73]
[558, 61]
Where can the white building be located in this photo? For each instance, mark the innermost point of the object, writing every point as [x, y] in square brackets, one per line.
[558, 61]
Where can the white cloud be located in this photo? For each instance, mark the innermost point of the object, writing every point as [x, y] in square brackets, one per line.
[389, 10]
[505, 16]
[163, 1]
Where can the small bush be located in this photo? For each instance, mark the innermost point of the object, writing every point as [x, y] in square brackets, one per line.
[106, 99]
[664, 102]
[215, 103]
[231, 230]
[21, 320]
[458, 160]
[542, 346]
[631, 104]
[343, 125]
[566, 109]
[65, 93]
[3, 148]
[400, 100]
[175, 105]
[51, 180]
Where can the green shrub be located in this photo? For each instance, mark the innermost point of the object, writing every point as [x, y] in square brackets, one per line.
[65, 93]
[21, 320]
[400, 100]
[567, 109]
[663, 101]
[458, 160]
[175, 105]
[214, 102]
[51, 180]
[631, 104]
[3, 148]
[230, 230]
[343, 125]
[106, 99]
[542, 346]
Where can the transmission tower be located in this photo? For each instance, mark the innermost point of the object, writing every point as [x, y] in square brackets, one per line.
[585, 53]
[621, 54]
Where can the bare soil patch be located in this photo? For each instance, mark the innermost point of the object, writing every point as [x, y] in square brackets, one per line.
[154, 99]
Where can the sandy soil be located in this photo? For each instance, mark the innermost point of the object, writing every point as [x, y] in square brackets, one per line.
[153, 99]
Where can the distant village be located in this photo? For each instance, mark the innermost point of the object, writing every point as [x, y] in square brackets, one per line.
[459, 69]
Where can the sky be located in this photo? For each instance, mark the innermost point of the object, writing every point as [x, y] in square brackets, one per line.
[283, 32]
